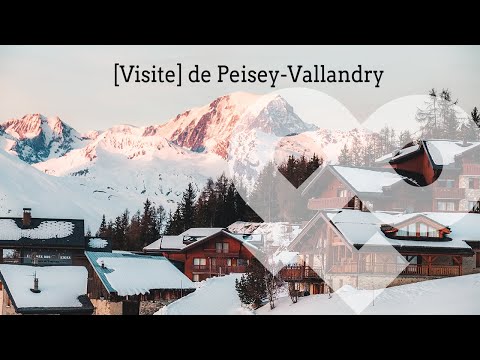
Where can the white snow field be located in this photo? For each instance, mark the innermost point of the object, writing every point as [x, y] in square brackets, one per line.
[214, 296]
[456, 295]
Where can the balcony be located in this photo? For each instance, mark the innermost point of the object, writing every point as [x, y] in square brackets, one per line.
[299, 273]
[412, 269]
[329, 203]
[471, 169]
[218, 270]
[448, 193]
[214, 253]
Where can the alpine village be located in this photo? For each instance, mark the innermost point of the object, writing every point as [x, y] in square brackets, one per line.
[139, 264]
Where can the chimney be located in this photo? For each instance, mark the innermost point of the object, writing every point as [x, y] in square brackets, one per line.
[35, 284]
[27, 217]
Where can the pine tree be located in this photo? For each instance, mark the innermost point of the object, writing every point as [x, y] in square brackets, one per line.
[102, 230]
[404, 138]
[471, 127]
[187, 208]
[251, 287]
[344, 157]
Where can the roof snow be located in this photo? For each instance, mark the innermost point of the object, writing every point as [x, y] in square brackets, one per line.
[97, 243]
[278, 233]
[126, 273]
[46, 230]
[201, 232]
[167, 242]
[359, 227]
[443, 152]
[369, 181]
[398, 153]
[60, 285]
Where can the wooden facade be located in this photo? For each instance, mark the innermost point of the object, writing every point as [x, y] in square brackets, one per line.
[216, 255]
[328, 255]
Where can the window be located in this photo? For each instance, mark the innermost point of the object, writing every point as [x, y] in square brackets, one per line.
[342, 193]
[423, 230]
[221, 247]
[412, 229]
[199, 261]
[432, 232]
[418, 230]
[242, 262]
[445, 206]
[474, 206]
[229, 262]
[446, 183]
[196, 277]
[471, 183]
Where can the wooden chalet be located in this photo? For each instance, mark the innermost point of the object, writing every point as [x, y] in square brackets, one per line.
[363, 188]
[206, 252]
[123, 283]
[458, 163]
[432, 245]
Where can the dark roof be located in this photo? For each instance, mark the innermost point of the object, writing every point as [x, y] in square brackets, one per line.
[42, 232]
[86, 309]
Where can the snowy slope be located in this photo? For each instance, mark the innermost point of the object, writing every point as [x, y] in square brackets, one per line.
[214, 296]
[456, 295]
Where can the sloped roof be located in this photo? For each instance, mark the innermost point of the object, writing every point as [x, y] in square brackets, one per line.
[59, 232]
[359, 227]
[364, 180]
[63, 289]
[444, 152]
[125, 273]
[166, 242]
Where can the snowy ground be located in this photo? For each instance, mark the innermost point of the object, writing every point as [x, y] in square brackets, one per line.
[457, 295]
[215, 296]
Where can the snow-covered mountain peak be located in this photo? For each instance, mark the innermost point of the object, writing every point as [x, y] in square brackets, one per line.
[37, 138]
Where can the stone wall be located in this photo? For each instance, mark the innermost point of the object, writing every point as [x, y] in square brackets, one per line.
[105, 307]
[151, 307]
[468, 264]
[470, 194]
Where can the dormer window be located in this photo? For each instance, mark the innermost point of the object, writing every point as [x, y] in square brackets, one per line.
[413, 228]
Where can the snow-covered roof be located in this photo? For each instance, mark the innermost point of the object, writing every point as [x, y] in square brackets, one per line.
[397, 154]
[97, 243]
[359, 227]
[61, 287]
[126, 273]
[369, 180]
[167, 242]
[443, 152]
[278, 233]
[67, 232]
[201, 232]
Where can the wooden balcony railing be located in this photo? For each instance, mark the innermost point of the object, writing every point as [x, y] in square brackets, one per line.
[299, 273]
[215, 270]
[220, 254]
[471, 169]
[328, 203]
[448, 193]
[385, 268]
